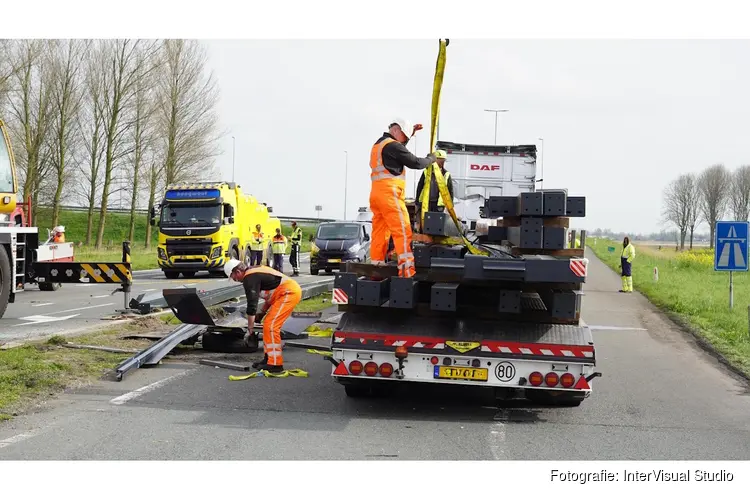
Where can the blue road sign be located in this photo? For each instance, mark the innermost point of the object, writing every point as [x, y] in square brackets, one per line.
[731, 245]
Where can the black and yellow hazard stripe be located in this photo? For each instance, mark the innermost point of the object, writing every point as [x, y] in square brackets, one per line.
[82, 272]
[107, 273]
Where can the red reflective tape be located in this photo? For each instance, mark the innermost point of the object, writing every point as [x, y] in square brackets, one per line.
[340, 296]
[578, 267]
[582, 384]
[556, 350]
[341, 369]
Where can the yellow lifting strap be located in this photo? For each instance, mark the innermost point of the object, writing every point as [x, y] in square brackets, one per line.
[429, 171]
[322, 353]
[294, 372]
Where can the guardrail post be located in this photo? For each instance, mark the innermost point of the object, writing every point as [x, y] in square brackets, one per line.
[126, 260]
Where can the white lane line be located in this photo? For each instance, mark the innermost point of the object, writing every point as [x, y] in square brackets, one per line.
[497, 440]
[83, 308]
[120, 400]
[15, 439]
[42, 304]
[100, 296]
[149, 290]
[33, 320]
[609, 327]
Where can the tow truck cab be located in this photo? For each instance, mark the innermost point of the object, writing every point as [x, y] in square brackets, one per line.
[338, 242]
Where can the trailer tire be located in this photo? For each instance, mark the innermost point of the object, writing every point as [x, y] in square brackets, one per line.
[556, 398]
[219, 342]
[6, 280]
[49, 287]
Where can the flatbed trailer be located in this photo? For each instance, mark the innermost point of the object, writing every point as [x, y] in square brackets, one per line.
[510, 320]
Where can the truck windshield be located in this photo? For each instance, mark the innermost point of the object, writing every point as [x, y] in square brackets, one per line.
[339, 232]
[6, 173]
[189, 215]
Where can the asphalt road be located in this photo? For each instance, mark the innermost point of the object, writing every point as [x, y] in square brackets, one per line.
[77, 307]
[660, 398]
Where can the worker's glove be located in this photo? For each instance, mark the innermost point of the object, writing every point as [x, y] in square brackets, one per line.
[432, 157]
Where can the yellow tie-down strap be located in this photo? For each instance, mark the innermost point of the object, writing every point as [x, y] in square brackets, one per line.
[294, 372]
[429, 171]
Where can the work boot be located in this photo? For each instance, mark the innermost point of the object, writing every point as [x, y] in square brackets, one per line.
[263, 361]
[271, 368]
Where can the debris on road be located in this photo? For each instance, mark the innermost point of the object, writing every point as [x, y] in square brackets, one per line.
[223, 364]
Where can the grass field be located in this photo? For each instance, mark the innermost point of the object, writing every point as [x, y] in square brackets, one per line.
[690, 288]
[116, 231]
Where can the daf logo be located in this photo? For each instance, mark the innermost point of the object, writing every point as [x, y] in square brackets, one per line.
[187, 233]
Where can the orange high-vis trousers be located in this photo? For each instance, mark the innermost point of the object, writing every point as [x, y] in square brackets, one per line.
[389, 215]
[283, 301]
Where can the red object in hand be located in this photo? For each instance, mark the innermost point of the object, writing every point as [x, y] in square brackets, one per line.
[418, 126]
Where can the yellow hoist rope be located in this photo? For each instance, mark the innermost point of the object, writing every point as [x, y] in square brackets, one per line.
[294, 372]
[429, 171]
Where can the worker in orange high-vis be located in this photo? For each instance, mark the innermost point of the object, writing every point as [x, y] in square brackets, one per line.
[280, 294]
[389, 160]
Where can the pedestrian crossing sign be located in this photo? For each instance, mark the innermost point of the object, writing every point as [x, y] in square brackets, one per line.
[731, 246]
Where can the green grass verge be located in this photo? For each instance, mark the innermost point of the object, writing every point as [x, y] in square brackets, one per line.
[315, 304]
[689, 288]
[116, 231]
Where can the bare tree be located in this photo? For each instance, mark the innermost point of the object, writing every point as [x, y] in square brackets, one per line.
[677, 198]
[739, 200]
[694, 204]
[714, 184]
[143, 139]
[66, 97]
[154, 174]
[187, 114]
[123, 64]
[29, 102]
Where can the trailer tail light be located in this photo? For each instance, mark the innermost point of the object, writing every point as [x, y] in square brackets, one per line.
[401, 352]
[536, 379]
[371, 369]
[567, 380]
[386, 370]
[355, 367]
[551, 379]
[434, 360]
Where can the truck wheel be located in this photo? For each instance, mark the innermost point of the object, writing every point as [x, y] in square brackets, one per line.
[314, 272]
[219, 342]
[235, 254]
[556, 398]
[49, 287]
[6, 280]
[329, 271]
[188, 274]
[171, 275]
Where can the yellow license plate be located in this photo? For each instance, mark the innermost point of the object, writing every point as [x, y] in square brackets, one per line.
[461, 373]
[334, 260]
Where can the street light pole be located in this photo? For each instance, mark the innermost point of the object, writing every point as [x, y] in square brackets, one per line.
[496, 111]
[346, 179]
[233, 143]
[541, 184]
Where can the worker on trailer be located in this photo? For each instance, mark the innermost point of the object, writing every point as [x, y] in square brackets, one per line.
[626, 260]
[278, 245]
[296, 245]
[389, 160]
[58, 234]
[256, 246]
[435, 203]
[280, 294]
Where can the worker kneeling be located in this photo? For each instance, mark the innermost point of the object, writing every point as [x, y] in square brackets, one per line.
[280, 294]
[389, 160]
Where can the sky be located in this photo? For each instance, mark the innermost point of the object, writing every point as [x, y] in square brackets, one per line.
[620, 118]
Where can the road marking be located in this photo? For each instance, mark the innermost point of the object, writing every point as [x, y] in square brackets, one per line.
[120, 400]
[15, 439]
[42, 304]
[609, 327]
[33, 320]
[100, 296]
[497, 440]
[149, 290]
[83, 308]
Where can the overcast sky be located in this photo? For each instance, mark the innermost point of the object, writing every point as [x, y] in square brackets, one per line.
[619, 119]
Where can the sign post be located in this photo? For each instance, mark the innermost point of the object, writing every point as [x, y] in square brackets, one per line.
[731, 250]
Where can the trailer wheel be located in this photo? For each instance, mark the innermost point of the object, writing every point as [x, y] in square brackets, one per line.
[49, 287]
[219, 342]
[556, 398]
[6, 280]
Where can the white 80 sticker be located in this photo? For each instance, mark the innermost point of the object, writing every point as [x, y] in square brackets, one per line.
[505, 372]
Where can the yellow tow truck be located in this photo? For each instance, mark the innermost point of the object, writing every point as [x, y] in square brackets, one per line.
[203, 225]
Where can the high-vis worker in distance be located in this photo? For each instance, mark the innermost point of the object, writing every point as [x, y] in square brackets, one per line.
[435, 202]
[389, 160]
[278, 245]
[58, 234]
[256, 246]
[280, 295]
[626, 260]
